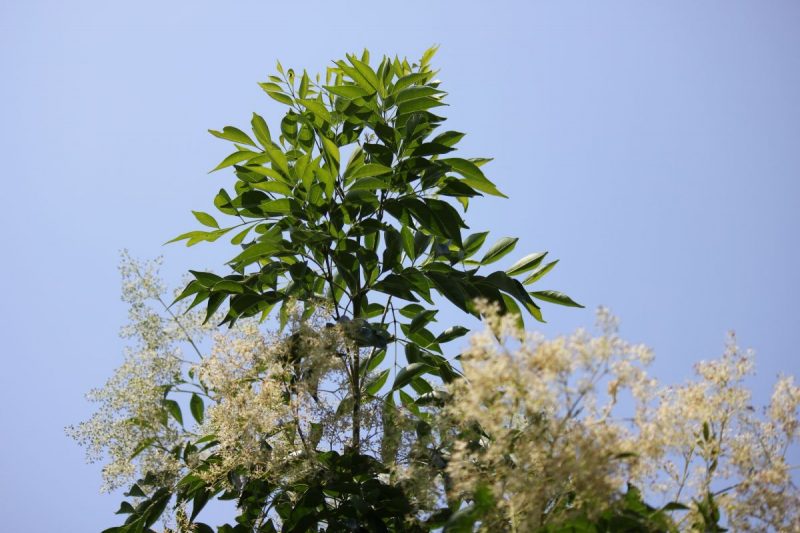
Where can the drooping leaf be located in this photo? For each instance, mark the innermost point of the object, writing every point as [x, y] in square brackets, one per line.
[197, 408]
[555, 297]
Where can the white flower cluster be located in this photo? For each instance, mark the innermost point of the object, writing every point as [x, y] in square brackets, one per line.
[556, 442]
[268, 400]
[130, 426]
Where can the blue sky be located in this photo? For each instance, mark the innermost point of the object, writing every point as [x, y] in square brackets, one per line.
[654, 147]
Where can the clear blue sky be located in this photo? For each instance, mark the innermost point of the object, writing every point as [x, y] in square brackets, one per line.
[654, 147]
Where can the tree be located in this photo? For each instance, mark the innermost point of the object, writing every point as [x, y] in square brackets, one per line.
[355, 208]
[349, 227]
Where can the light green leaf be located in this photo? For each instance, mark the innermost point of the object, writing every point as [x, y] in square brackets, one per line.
[351, 92]
[368, 74]
[239, 237]
[261, 130]
[274, 186]
[205, 219]
[282, 205]
[332, 151]
[229, 133]
[235, 157]
[276, 93]
[278, 160]
[318, 109]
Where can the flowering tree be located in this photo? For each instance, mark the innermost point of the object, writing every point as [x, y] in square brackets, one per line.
[349, 223]
[349, 227]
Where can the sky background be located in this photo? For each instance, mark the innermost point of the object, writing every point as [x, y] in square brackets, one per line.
[653, 147]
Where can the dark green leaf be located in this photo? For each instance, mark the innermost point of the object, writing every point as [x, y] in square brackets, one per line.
[408, 373]
[451, 333]
[499, 250]
[555, 297]
[175, 410]
[377, 383]
[473, 175]
[529, 262]
[539, 274]
[197, 408]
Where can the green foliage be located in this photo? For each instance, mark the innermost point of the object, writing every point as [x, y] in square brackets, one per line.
[355, 203]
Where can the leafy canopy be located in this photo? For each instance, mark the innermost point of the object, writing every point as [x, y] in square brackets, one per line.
[355, 204]
[358, 203]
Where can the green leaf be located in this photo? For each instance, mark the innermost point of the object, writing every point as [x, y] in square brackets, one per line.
[395, 285]
[235, 157]
[368, 74]
[318, 109]
[555, 297]
[451, 333]
[175, 410]
[473, 243]
[239, 237]
[513, 309]
[143, 445]
[259, 250]
[408, 242]
[418, 91]
[408, 373]
[473, 176]
[193, 237]
[332, 152]
[369, 184]
[529, 262]
[229, 286]
[278, 160]
[351, 92]
[369, 170]
[205, 219]
[261, 130]
[450, 288]
[275, 92]
[499, 250]
[229, 133]
[280, 206]
[376, 384]
[418, 104]
[539, 274]
[421, 320]
[196, 406]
